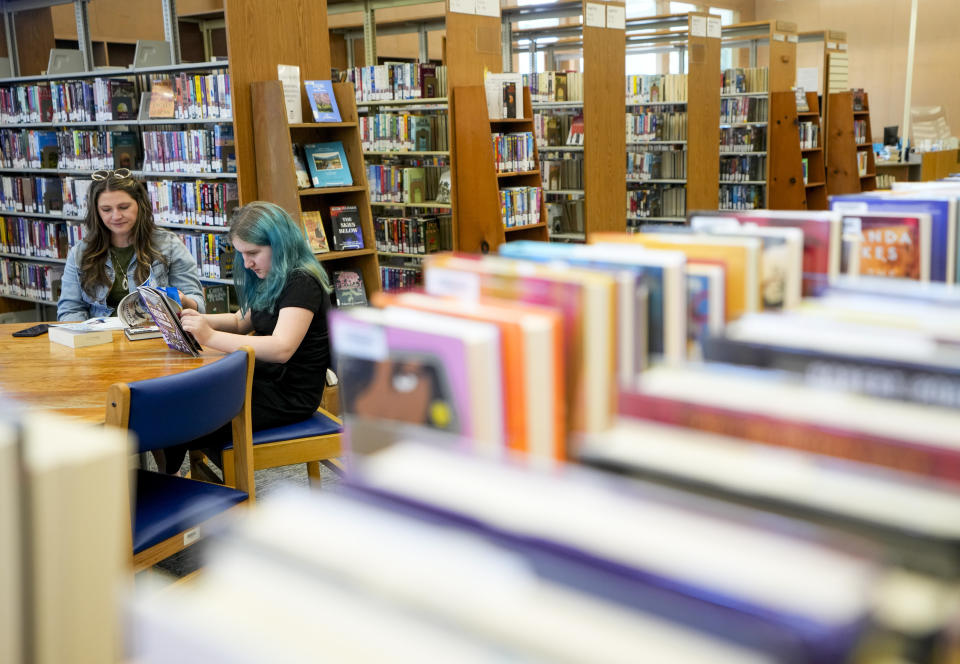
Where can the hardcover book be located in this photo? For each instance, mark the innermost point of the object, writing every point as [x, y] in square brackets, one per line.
[349, 289]
[892, 244]
[313, 227]
[126, 149]
[161, 99]
[323, 102]
[328, 164]
[346, 228]
[123, 95]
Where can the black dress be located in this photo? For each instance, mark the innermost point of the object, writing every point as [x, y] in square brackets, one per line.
[290, 392]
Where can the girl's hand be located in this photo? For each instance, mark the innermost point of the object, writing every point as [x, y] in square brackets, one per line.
[196, 324]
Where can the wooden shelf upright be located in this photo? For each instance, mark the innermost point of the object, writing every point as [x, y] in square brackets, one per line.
[604, 138]
[788, 191]
[843, 175]
[703, 109]
[277, 180]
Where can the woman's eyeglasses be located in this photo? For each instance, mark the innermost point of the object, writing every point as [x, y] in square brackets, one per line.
[119, 174]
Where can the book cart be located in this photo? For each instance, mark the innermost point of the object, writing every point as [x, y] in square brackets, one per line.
[38, 235]
[750, 178]
[851, 167]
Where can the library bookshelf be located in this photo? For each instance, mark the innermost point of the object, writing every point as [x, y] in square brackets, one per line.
[521, 178]
[797, 178]
[191, 193]
[276, 175]
[747, 177]
[394, 212]
[851, 167]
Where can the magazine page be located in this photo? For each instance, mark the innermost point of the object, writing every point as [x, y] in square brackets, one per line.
[166, 318]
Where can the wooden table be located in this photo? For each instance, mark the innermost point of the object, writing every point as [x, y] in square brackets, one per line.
[74, 381]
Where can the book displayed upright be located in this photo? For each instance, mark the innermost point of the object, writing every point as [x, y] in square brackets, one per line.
[349, 289]
[161, 99]
[346, 228]
[323, 102]
[164, 312]
[328, 164]
[313, 227]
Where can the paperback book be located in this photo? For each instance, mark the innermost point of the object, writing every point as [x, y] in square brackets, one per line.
[346, 228]
[323, 102]
[316, 234]
[349, 289]
[328, 164]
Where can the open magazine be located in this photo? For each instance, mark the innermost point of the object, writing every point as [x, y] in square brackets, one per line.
[151, 305]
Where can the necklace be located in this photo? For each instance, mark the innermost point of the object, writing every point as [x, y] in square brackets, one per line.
[123, 271]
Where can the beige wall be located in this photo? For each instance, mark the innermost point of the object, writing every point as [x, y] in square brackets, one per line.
[877, 37]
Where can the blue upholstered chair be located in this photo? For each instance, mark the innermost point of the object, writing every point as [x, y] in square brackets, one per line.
[169, 512]
[313, 441]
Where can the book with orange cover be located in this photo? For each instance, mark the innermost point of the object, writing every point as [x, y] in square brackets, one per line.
[587, 302]
[531, 340]
[741, 256]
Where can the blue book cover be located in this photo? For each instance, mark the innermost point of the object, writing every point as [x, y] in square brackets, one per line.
[942, 211]
[328, 164]
[323, 102]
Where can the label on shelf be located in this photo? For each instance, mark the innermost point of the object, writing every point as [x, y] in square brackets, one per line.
[793, 39]
[488, 8]
[713, 27]
[698, 26]
[616, 17]
[778, 36]
[595, 15]
[289, 76]
[463, 6]
[440, 281]
[842, 47]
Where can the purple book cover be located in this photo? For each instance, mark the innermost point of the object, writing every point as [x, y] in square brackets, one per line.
[393, 380]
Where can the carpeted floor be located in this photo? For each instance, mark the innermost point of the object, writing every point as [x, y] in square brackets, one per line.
[267, 482]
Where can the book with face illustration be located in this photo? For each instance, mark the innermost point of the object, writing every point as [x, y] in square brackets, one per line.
[409, 373]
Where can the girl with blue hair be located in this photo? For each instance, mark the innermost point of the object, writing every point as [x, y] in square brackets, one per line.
[284, 299]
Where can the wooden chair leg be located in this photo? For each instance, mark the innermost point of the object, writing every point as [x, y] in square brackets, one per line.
[229, 477]
[314, 476]
[334, 465]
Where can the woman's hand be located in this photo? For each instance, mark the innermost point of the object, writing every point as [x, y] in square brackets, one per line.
[186, 302]
[196, 324]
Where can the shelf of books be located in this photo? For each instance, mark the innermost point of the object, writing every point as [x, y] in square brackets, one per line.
[173, 127]
[315, 171]
[851, 166]
[747, 165]
[813, 168]
[557, 108]
[517, 163]
[405, 134]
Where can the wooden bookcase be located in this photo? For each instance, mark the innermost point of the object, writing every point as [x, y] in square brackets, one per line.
[780, 39]
[702, 108]
[788, 191]
[221, 182]
[531, 178]
[276, 174]
[843, 175]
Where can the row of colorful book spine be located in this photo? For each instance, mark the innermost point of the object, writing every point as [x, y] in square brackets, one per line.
[656, 165]
[520, 206]
[388, 132]
[744, 109]
[514, 152]
[554, 86]
[656, 126]
[196, 96]
[32, 280]
[33, 237]
[655, 201]
[656, 88]
[197, 202]
[190, 151]
[741, 80]
[743, 169]
[405, 80]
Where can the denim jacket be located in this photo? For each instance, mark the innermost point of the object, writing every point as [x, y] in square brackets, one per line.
[180, 272]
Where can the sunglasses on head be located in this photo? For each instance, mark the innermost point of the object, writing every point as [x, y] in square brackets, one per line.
[119, 174]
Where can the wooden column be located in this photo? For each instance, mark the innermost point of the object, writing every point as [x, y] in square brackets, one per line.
[260, 35]
[472, 45]
[703, 111]
[604, 136]
[783, 56]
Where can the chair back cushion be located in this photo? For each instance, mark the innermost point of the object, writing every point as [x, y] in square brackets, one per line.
[177, 409]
